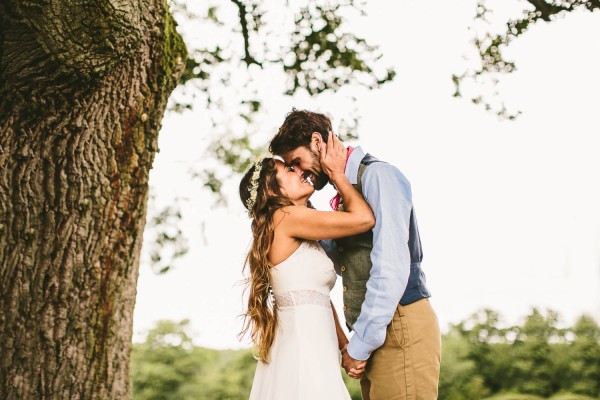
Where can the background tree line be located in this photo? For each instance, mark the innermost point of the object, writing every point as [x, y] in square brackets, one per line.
[482, 359]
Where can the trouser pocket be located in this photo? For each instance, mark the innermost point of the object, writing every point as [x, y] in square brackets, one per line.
[397, 331]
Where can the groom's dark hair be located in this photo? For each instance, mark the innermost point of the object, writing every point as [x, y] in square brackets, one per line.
[297, 130]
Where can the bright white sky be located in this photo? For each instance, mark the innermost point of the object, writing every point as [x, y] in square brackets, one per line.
[508, 211]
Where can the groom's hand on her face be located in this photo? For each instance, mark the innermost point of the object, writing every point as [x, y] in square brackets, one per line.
[332, 155]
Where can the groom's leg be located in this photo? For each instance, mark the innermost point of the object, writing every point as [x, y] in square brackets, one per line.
[389, 374]
[407, 365]
[426, 347]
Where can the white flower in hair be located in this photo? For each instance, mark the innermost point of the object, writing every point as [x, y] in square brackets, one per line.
[253, 188]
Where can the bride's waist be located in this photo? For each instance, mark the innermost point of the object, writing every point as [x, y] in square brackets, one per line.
[301, 297]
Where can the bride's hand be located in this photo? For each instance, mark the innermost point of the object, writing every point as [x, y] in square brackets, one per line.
[333, 156]
[358, 371]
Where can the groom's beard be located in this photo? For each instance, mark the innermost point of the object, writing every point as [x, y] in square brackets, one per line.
[319, 179]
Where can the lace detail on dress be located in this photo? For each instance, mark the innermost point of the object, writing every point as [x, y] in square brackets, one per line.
[299, 297]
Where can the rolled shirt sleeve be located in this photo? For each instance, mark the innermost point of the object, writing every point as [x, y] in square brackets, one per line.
[388, 193]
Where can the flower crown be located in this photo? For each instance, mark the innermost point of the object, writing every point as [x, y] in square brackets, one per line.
[253, 188]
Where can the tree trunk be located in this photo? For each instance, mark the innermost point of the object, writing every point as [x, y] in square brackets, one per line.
[83, 88]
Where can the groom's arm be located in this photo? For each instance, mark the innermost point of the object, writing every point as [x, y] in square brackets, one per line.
[388, 193]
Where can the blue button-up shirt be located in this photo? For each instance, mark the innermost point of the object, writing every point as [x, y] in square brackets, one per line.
[388, 193]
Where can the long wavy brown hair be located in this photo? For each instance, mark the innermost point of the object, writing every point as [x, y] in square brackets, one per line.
[260, 319]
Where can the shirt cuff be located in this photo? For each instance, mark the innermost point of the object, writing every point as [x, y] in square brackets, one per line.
[358, 350]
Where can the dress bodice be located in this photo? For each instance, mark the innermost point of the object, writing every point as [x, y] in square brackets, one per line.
[305, 274]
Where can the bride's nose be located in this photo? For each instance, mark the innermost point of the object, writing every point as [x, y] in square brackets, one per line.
[299, 171]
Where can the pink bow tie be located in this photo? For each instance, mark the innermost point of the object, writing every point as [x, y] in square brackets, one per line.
[335, 202]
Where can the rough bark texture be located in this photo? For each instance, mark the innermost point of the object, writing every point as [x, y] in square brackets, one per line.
[83, 88]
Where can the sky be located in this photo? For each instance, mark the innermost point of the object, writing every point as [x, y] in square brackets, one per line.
[508, 211]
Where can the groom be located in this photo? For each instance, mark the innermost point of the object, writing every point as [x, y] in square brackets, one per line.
[385, 298]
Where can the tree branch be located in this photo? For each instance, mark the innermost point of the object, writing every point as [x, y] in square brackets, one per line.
[248, 59]
[546, 10]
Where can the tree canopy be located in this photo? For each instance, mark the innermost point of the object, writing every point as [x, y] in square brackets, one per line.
[491, 45]
[309, 47]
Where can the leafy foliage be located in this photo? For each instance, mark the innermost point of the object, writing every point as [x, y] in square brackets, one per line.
[490, 45]
[168, 366]
[481, 360]
[319, 44]
[536, 359]
[319, 53]
[166, 240]
[238, 49]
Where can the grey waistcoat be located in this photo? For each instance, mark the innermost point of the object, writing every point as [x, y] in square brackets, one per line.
[355, 259]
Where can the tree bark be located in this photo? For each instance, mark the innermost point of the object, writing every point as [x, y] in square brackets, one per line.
[83, 89]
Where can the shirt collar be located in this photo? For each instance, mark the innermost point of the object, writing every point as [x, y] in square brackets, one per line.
[354, 163]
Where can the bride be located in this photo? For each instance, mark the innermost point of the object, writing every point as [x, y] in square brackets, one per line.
[290, 318]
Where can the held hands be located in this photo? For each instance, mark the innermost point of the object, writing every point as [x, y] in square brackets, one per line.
[332, 156]
[354, 368]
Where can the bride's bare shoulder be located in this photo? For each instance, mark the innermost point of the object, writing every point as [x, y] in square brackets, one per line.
[284, 214]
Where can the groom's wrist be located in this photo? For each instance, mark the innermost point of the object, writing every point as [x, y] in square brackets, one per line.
[336, 176]
[358, 350]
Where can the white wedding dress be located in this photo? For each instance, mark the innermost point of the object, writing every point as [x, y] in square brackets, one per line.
[304, 359]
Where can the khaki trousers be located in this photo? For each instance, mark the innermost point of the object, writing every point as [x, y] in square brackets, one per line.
[407, 366]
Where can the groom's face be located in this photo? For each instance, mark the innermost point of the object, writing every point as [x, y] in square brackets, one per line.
[306, 162]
